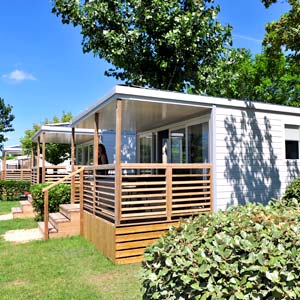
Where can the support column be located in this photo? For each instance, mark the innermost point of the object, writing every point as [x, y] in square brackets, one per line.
[73, 165]
[32, 156]
[44, 158]
[3, 165]
[96, 139]
[38, 160]
[118, 170]
[96, 153]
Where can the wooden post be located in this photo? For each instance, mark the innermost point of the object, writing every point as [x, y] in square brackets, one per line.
[96, 152]
[169, 174]
[38, 160]
[118, 170]
[32, 156]
[81, 201]
[46, 215]
[44, 157]
[73, 165]
[3, 165]
[96, 139]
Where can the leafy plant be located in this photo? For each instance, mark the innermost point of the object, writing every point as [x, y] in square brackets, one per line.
[10, 190]
[249, 252]
[60, 194]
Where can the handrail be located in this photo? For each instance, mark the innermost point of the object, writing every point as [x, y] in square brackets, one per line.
[62, 180]
[46, 199]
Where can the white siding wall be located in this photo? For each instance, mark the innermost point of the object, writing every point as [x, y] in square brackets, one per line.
[250, 156]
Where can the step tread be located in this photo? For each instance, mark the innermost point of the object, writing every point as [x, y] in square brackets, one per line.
[24, 202]
[74, 207]
[51, 228]
[58, 217]
[16, 210]
[29, 198]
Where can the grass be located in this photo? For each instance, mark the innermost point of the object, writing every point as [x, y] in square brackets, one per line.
[5, 206]
[59, 269]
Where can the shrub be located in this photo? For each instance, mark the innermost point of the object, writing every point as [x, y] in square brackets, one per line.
[60, 194]
[10, 190]
[250, 252]
[291, 196]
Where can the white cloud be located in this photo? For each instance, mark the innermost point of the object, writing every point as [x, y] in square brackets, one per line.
[18, 76]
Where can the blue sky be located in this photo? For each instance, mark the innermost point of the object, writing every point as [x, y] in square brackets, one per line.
[44, 72]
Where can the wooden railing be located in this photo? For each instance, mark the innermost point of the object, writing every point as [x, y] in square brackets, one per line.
[46, 199]
[16, 174]
[147, 193]
[55, 173]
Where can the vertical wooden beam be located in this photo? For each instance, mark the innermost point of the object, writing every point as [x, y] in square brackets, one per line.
[81, 201]
[32, 156]
[96, 139]
[3, 165]
[38, 160]
[73, 165]
[46, 215]
[169, 193]
[95, 160]
[44, 157]
[118, 170]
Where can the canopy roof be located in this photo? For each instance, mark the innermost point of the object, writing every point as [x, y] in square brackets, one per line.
[63, 134]
[145, 109]
[16, 149]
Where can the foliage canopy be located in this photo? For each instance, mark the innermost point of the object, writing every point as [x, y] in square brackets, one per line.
[6, 118]
[161, 44]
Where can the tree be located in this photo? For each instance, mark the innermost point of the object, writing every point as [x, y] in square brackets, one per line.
[285, 32]
[162, 44]
[55, 153]
[6, 118]
[264, 78]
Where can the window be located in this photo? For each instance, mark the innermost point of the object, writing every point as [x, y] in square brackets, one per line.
[146, 148]
[198, 143]
[292, 142]
[178, 148]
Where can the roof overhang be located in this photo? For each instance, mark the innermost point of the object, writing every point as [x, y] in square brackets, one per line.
[143, 109]
[63, 134]
[17, 150]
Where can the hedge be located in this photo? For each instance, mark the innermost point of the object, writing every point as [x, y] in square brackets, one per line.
[10, 190]
[249, 252]
[60, 194]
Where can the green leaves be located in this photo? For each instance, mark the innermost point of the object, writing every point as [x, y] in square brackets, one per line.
[161, 44]
[10, 190]
[6, 118]
[248, 252]
[60, 194]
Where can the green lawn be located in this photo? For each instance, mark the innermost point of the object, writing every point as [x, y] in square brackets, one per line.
[5, 206]
[59, 269]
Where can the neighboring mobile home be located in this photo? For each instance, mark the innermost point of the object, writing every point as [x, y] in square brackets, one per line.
[193, 154]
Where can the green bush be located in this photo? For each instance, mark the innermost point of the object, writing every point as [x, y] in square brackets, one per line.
[249, 252]
[60, 194]
[10, 190]
[291, 196]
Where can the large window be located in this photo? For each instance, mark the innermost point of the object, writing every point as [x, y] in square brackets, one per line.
[178, 146]
[292, 142]
[146, 149]
[198, 143]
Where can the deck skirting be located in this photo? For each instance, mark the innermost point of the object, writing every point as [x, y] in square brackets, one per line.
[124, 244]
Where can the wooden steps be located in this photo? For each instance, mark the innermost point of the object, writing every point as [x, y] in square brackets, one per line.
[64, 223]
[25, 210]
